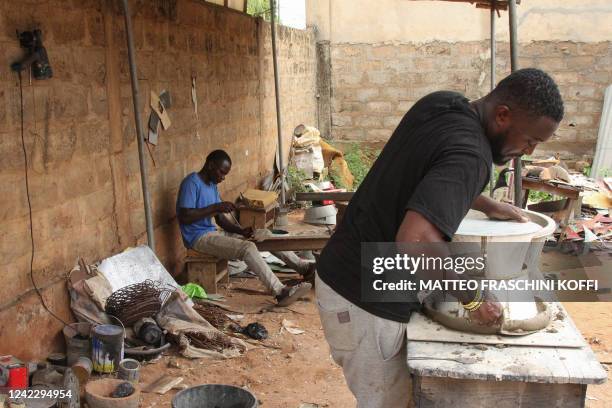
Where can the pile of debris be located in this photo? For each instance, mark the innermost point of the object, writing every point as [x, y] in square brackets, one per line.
[588, 219]
[322, 168]
[594, 223]
[129, 309]
[581, 205]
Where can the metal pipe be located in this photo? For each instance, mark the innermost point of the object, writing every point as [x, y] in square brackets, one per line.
[518, 185]
[493, 51]
[278, 106]
[139, 134]
[493, 44]
[513, 35]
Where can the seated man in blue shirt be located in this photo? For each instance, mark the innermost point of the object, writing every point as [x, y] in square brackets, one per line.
[199, 201]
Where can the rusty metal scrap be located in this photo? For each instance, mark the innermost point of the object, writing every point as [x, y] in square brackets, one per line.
[215, 316]
[213, 341]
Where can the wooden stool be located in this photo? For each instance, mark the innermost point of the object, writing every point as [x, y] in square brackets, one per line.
[206, 270]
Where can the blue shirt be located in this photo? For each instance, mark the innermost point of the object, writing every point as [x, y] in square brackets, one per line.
[195, 193]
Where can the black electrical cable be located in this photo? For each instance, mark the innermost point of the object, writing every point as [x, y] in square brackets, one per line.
[27, 185]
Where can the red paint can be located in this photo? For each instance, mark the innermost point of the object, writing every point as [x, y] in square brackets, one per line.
[17, 372]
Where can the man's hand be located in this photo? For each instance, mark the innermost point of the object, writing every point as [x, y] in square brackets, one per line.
[224, 207]
[504, 211]
[498, 211]
[488, 313]
[247, 232]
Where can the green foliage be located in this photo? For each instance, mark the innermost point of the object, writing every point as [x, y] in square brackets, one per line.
[540, 196]
[587, 171]
[338, 183]
[602, 173]
[295, 177]
[495, 176]
[359, 160]
[606, 172]
[260, 8]
[534, 196]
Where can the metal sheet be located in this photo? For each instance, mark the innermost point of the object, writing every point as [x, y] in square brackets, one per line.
[134, 266]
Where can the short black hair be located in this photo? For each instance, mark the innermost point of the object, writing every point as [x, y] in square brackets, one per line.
[532, 90]
[218, 157]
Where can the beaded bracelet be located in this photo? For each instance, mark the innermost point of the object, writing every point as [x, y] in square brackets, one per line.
[476, 303]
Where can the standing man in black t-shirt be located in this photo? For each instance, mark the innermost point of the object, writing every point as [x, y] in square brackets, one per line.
[430, 173]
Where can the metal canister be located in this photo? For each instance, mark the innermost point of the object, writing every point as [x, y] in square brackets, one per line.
[82, 369]
[77, 340]
[14, 373]
[106, 347]
[129, 370]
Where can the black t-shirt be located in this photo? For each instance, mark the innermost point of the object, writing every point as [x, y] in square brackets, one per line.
[437, 162]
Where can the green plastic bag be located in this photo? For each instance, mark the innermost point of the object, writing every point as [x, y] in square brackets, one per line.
[193, 290]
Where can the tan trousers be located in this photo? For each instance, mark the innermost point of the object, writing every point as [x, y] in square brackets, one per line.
[370, 350]
[225, 245]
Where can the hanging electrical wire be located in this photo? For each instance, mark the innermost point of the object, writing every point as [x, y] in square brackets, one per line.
[27, 186]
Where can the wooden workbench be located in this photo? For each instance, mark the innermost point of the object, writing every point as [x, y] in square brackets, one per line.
[301, 236]
[304, 242]
[324, 195]
[458, 375]
[571, 193]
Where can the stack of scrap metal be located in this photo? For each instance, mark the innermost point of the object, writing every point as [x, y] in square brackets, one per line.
[595, 223]
[598, 228]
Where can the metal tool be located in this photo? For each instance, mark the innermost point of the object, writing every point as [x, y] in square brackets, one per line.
[235, 220]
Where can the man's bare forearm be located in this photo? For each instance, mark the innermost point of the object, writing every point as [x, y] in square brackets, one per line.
[435, 274]
[227, 225]
[415, 229]
[483, 204]
[191, 215]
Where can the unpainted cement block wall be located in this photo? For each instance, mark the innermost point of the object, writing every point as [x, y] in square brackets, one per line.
[81, 144]
[374, 85]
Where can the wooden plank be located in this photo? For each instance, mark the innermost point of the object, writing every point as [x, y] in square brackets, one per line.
[445, 392]
[512, 363]
[292, 243]
[196, 256]
[560, 190]
[222, 276]
[485, 363]
[486, 4]
[257, 218]
[163, 384]
[587, 367]
[336, 196]
[204, 274]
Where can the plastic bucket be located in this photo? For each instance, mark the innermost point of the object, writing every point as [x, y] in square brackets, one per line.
[214, 396]
[106, 347]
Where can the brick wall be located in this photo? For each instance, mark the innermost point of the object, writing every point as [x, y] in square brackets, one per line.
[374, 85]
[80, 136]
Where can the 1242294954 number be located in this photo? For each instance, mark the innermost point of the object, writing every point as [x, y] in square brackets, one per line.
[40, 394]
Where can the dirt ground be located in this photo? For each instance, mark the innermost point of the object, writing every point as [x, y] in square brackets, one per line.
[594, 320]
[299, 369]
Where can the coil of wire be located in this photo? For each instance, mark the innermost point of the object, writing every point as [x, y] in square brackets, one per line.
[134, 302]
